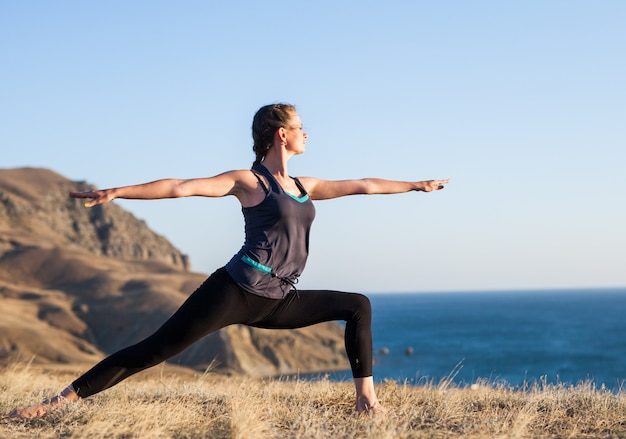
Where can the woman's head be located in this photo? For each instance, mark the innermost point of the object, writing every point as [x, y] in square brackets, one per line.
[265, 124]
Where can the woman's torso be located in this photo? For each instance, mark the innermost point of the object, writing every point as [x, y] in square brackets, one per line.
[276, 244]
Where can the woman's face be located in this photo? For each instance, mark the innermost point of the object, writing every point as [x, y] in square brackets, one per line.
[295, 135]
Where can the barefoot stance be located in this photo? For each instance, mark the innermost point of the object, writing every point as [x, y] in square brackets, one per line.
[41, 410]
[29, 412]
[365, 408]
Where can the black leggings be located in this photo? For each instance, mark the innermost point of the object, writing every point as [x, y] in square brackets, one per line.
[220, 302]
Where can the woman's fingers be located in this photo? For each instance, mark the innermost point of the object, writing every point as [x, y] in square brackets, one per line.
[435, 185]
[440, 184]
[94, 195]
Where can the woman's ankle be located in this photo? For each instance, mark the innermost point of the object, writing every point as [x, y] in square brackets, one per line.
[69, 394]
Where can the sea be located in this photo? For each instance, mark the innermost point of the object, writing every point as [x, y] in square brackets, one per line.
[512, 338]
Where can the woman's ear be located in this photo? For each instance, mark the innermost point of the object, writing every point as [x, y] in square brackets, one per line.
[281, 134]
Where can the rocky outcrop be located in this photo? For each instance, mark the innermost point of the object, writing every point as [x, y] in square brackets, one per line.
[36, 200]
[77, 284]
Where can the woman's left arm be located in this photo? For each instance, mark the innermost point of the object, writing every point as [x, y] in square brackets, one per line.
[327, 189]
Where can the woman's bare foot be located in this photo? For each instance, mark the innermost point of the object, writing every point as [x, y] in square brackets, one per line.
[29, 412]
[364, 407]
[366, 400]
[41, 410]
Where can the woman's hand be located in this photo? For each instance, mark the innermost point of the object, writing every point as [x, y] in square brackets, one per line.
[432, 185]
[97, 197]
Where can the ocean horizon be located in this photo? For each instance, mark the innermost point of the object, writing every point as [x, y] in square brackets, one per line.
[517, 338]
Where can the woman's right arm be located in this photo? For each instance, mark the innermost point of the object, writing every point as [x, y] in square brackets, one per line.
[236, 183]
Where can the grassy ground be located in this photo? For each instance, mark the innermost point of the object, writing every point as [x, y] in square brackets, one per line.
[168, 404]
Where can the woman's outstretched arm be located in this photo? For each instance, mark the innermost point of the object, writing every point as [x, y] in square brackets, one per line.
[236, 183]
[327, 189]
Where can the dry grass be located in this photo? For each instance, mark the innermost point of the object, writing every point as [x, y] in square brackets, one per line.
[169, 405]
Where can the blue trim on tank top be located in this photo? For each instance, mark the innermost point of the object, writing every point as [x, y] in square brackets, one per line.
[301, 199]
[251, 262]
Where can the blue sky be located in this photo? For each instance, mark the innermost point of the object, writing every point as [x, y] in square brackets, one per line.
[521, 104]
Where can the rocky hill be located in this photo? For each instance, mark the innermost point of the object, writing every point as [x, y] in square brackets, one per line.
[36, 201]
[77, 283]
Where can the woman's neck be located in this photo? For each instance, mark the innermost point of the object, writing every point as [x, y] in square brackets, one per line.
[276, 162]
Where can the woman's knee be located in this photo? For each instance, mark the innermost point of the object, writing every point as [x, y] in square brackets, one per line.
[362, 306]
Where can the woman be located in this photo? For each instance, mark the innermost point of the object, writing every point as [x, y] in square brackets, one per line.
[257, 286]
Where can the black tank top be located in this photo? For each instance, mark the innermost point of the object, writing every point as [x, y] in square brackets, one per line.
[276, 246]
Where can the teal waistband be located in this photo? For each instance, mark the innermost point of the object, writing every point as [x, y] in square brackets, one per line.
[251, 262]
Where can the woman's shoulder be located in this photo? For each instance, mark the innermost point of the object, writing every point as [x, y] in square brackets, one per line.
[249, 186]
[238, 175]
[308, 182]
